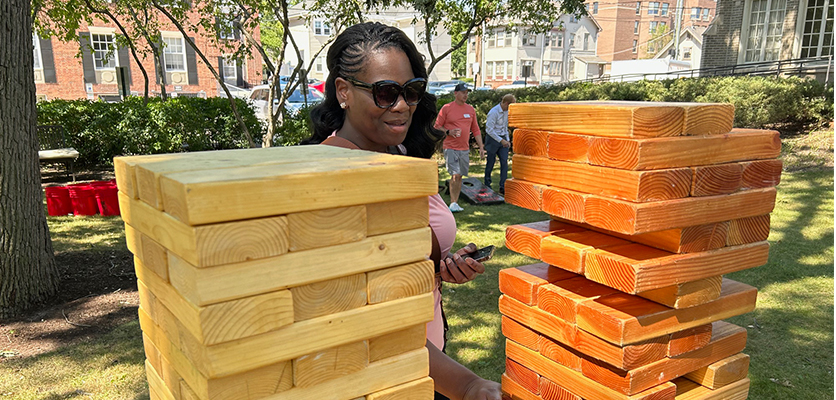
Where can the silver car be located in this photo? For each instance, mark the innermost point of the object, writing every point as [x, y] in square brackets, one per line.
[295, 102]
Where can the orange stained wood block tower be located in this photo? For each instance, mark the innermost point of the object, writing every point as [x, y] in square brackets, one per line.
[281, 273]
[648, 205]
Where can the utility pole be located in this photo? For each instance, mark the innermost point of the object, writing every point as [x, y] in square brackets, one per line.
[678, 29]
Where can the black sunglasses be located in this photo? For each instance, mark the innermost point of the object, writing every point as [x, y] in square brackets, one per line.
[386, 93]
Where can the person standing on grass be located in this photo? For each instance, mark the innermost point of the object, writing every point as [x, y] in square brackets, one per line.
[458, 121]
[498, 141]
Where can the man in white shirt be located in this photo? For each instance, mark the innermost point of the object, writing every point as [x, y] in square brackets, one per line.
[498, 141]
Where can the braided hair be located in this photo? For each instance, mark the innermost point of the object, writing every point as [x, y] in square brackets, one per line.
[346, 58]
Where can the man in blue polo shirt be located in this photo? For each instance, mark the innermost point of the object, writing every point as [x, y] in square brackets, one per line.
[498, 141]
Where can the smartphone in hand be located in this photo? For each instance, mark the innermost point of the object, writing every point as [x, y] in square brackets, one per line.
[481, 255]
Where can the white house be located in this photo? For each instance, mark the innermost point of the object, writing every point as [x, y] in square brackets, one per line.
[690, 47]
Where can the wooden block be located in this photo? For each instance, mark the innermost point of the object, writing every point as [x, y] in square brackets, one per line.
[559, 353]
[523, 282]
[215, 195]
[530, 142]
[399, 342]
[399, 282]
[637, 268]
[419, 389]
[623, 319]
[221, 322]
[156, 384]
[581, 385]
[748, 230]
[209, 245]
[658, 153]
[638, 186]
[623, 357]
[397, 216]
[562, 298]
[563, 203]
[568, 147]
[711, 180]
[520, 333]
[323, 365]
[329, 227]
[687, 390]
[186, 393]
[568, 251]
[686, 294]
[523, 194]
[633, 218]
[125, 170]
[721, 373]
[329, 297]
[511, 390]
[538, 320]
[204, 286]
[525, 238]
[525, 377]
[552, 391]
[728, 339]
[153, 255]
[761, 174]
[689, 340]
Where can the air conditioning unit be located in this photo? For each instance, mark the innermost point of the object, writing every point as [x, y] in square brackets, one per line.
[106, 77]
[178, 78]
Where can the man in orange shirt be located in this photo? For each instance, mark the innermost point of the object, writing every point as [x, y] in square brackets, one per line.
[458, 121]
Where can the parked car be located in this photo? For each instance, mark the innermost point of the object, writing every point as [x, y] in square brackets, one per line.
[439, 88]
[486, 87]
[296, 100]
[515, 85]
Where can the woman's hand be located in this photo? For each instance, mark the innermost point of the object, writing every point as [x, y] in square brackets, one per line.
[457, 269]
[483, 389]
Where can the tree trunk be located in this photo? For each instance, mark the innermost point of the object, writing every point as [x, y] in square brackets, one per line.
[28, 274]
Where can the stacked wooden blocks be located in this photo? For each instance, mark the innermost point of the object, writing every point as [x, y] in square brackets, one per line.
[282, 273]
[650, 204]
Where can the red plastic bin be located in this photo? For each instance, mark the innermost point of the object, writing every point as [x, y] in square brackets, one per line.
[106, 198]
[58, 201]
[83, 198]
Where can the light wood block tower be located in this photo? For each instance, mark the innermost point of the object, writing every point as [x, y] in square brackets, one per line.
[649, 205]
[281, 273]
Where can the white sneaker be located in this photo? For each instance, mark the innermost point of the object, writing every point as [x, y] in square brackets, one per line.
[455, 207]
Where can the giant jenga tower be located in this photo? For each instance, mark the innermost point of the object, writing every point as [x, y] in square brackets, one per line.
[650, 204]
[282, 273]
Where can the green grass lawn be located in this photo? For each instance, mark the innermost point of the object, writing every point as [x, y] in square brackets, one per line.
[790, 333]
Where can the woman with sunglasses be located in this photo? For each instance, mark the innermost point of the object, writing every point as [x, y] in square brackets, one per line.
[376, 100]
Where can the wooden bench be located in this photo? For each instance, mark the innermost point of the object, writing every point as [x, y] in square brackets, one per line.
[53, 147]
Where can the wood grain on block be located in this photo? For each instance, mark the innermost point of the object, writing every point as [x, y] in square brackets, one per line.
[329, 297]
[531, 142]
[397, 216]
[658, 153]
[329, 227]
[687, 390]
[638, 186]
[398, 342]
[204, 286]
[208, 245]
[563, 203]
[624, 357]
[689, 340]
[562, 298]
[748, 230]
[153, 255]
[186, 393]
[581, 385]
[419, 389]
[209, 196]
[520, 333]
[525, 238]
[125, 170]
[377, 376]
[633, 218]
[166, 372]
[761, 174]
[523, 282]
[523, 194]
[568, 250]
[635, 268]
[552, 391]
[624, 319]
[721, 373]
[152, 355]
[156, 385]
[711, 180]
[600, 118]
[221, 322]
[538, 320]
[399, 282]
[686, 294]
[323, 365]
[567, 147]
[727, 340]
[558, 352]
[527, 378]
[512, 390]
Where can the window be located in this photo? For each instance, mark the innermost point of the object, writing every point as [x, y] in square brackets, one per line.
[573, 18]
[509, 69]
[817, 37]
[529, 38]
[230, 72]
[665, 7]
[705, 12]
[492, 39]
[695, 13]
[527, 65]
[595, 8]
[489, 69]
[508, 38]
[318, 66]
[559, 39]
[500, 39]
[547, 39]
[37, 51]
[571, 40]
[321, 28]
[764, 30]
[586, 41]
[635, 46]
[500, 69]
[104, 55]
[653, 25]
[555, 68]
[174, 54]
[636, 28]
[638, 8]
[653, 8]
[686, 53]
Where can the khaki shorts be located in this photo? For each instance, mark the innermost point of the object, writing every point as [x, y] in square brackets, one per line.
[458, 161]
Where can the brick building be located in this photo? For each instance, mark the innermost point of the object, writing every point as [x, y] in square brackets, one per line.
[60, 74]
